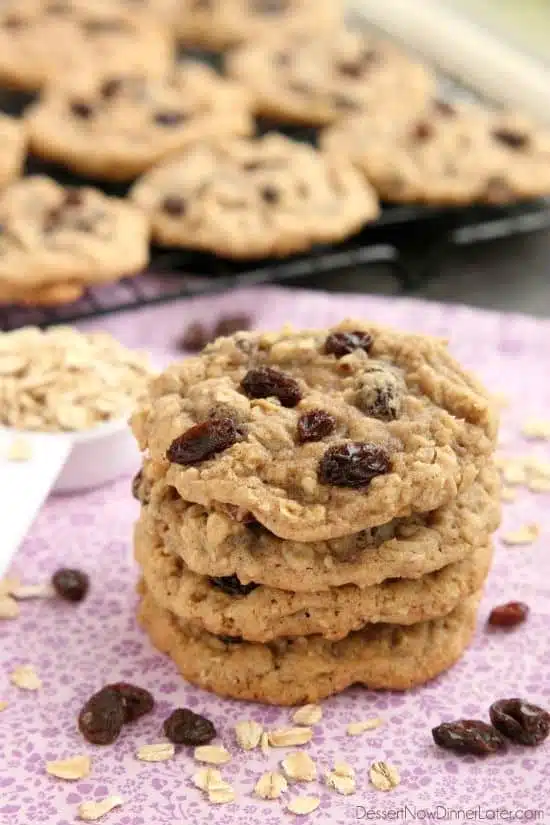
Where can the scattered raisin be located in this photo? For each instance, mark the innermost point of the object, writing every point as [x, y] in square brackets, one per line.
[135, 700]
[511, 138]
[266, 381]
[444, 108]
[204, 440]
[353, 465]
[315, 425]
[520, 721]
[173, 205]
[183, 727]
[350, 68]
[508, 615]
[269, 194]
[102, 717]
[110, 87]
[422, 131]
[81, 110]
[231, 640]
[381, 399]
[230, 324]
[195, 337]
[469, 736]
[170, 118]
[342, 343]
[71, 585]
[232, 586]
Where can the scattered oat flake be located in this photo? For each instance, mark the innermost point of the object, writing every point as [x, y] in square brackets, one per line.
[539, 485]
[26, 678]
[22, 592]
[514, 473]
[19, 450]
[95, 810]
[537, 466]
[264, 743]
[536, 428]
[299, 766]
[212, 754]
[341, 778]
[9, 609]
[249, 734]
[523, 535]
[158, 752]
[221, 793]
[357, 728]
[271, 785]
[508, 494]
[303, 805]
[384, 776]
[3, 706]
[308, 715]
[206, 777]
[289, 737]
[76, 767]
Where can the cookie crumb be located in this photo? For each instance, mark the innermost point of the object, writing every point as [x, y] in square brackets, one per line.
[249, 734]
[523, 535]
[26, 678]
[75, 767]
[271, 785]
[357, 728]
[19, 450]
[308, 715]
[289, 737]
[212, 754]
[9, 609]
[159, 752]
[95, 810]
[299, 766]
[3, 706]
[384, 776]
[538, 428]
[303, 805]
[341, 778]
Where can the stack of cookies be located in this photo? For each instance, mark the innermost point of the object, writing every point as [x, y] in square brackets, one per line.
[316, 511]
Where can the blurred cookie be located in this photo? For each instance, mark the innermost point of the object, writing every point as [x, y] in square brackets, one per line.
[56, 240]
[316, 79]
[12, 149]
[117, 126]
[41, 41]
[447, 154]
[254, 198]
[220, 23]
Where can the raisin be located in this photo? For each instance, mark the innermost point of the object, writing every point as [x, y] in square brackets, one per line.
[342, 343]
[170, 118]
[13, 21]
[508, 615]
[232, 586]
[173, 205]
[136, 701]
[230, 324]
[444, 108]
[71, 585]
[350, 68]
[195, 337]
[422, 131]
[203, 441]
[381, 399]
[511, 138]
[102, 717]
[269, 194]
[110, 87]
[183, 727]
[136, 485]
[81, 110]
[353, 465]
[315, 425]
[520, 721]
[469, 736]
[73, 197]
[231, 640]
[266, 381]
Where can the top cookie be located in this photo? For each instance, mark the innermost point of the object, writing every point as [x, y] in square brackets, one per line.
[447, 154]
[116, 126]
[319, 434]
[13, 141]
[220, 23]
[316, 79]
[41, 41]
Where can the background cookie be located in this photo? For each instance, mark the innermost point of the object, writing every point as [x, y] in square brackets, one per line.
[55, 240]
[13, 141]
[320, 434]
[224, 606]
[116, 126]
[446, 154]
[254, 198]
[291, 672]
[315, 79]
[214, 542]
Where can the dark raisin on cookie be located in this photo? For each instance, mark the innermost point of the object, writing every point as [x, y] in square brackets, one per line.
[73, 197]
[101, 719]
[230, 324]
[380, 400]
[350, 68]
[137, 701]
[315, 425]
[520, 721]
[169, 118]
[173, 205]
[202, 441]
[266, 382]
[354, 464]
[511, 138]
[231, 585]
[343, 343]
[183, 727]
[136, 485]
[422, 131]
[195, 337]
[81, 110]
[444, 108]
[110, 87]
[469, 736]
[231, 640]
[269, 194]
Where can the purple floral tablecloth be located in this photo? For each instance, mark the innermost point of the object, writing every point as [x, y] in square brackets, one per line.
[76, 650]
